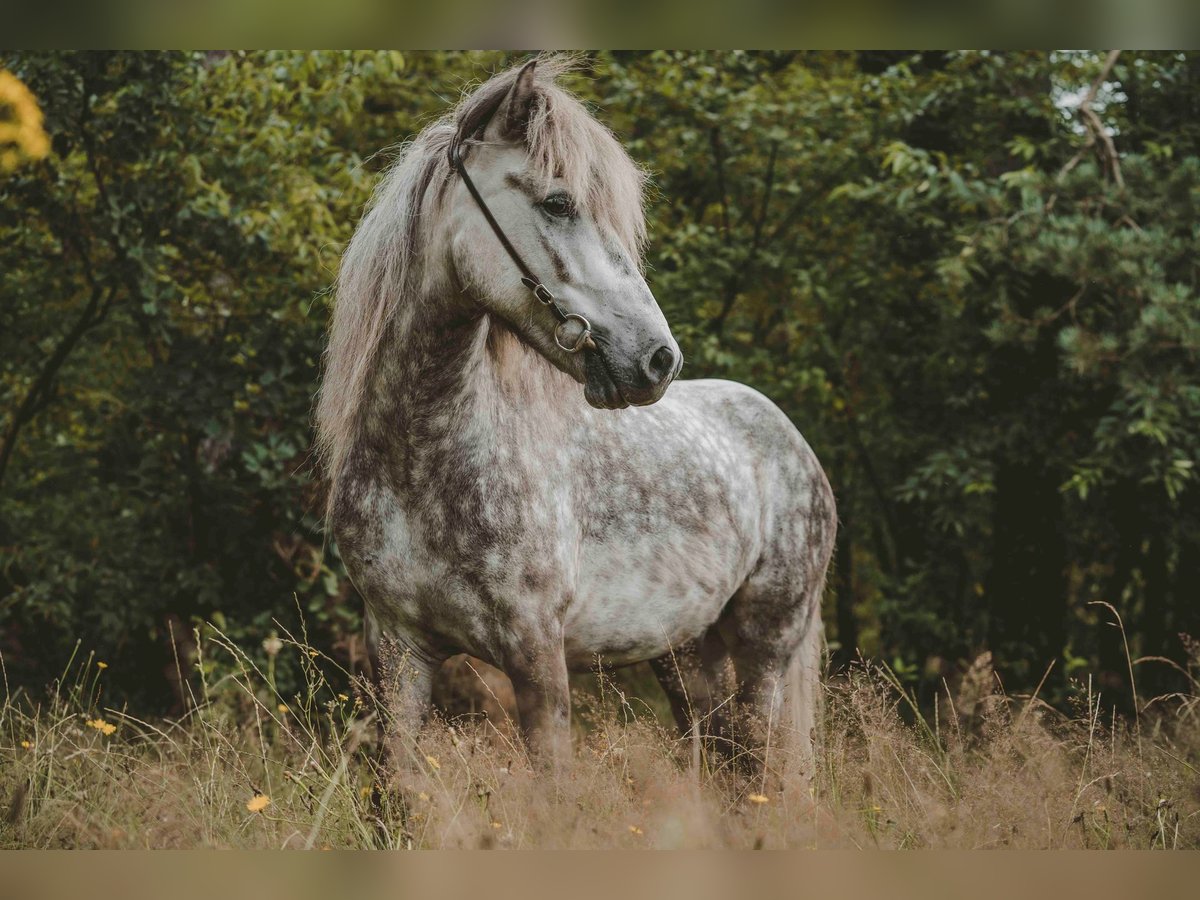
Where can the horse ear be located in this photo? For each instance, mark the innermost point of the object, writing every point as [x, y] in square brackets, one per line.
[511, 121]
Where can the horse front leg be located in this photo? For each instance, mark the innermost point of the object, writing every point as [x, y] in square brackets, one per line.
[537, 667]
[402, 684]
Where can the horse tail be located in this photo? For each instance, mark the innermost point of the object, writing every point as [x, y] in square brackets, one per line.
[805, 697]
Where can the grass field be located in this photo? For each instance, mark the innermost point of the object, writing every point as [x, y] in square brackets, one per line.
[249, 768]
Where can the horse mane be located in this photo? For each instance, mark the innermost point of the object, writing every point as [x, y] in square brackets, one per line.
[382, 268]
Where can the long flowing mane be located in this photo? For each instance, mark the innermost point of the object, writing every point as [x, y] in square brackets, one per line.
[383, 268]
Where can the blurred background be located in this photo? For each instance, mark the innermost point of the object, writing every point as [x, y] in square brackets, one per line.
[969, 278]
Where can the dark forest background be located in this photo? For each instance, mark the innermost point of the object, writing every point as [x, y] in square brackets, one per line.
[969, 278]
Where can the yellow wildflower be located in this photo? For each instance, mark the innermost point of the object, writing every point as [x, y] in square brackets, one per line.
[101, 665]
[27, 745]
[496, 825]
[759, 798]
[102, 726]
[283, 708]
[633, 829]
[342, 697]
[258, 803]
[433, 763]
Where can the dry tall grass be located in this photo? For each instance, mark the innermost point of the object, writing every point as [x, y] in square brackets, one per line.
[248, 768]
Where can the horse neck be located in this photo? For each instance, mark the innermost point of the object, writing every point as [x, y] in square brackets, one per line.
[456, 387]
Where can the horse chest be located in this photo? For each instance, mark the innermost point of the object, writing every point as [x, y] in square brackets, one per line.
[454, 565]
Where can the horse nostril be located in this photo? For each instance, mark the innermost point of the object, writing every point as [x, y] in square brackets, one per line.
[660, 365]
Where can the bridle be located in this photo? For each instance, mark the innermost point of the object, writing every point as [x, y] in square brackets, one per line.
[531, 281]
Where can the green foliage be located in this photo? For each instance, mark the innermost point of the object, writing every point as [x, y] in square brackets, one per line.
[925, 259]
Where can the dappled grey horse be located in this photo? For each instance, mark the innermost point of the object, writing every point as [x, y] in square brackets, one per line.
[482, 506]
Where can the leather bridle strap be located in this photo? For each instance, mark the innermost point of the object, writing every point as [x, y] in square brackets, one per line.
[531, 281]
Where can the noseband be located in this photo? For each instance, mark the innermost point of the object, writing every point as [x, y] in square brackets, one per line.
[531, 281]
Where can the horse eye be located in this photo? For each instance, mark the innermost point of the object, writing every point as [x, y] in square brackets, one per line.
[558, 205]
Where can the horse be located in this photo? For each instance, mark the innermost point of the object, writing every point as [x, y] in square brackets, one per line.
[483, 504]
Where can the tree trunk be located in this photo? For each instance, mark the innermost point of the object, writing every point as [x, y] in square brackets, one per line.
[1027, 588]
[847, 623]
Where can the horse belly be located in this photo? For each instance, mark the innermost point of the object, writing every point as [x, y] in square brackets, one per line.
[640, 601]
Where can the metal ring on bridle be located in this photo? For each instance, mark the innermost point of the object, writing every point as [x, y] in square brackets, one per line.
[584, 336]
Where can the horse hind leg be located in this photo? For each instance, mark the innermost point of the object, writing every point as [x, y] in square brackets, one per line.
[774, 627]
[775, 637]
[698, 684]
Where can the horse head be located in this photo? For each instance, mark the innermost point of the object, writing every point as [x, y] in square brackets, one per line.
[555, 194]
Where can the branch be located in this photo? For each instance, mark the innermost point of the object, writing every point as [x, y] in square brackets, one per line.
[714, 137]
[735, 281]
[39, 392]
[1095, 128]
[768, 185]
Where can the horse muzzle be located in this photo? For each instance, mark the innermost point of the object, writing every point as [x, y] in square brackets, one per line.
[610, 385]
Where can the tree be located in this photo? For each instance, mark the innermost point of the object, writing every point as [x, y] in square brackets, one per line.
[969, 278]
